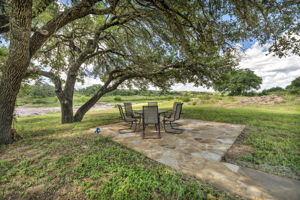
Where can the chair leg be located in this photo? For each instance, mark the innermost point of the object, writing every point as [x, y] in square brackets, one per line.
[159, 135]
[135, 128]
[157, 126]
[131, 124]
[144, 128]
[172, 128]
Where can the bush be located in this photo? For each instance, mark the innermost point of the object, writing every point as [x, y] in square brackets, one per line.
[204, 97]
[294, 91]
[170, 97]
[118, 98]
[39, 101]
[42, 90]
[186, 99]
[194, 103]
[250, 94]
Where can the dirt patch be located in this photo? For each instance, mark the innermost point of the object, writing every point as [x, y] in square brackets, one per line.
[27, 110]
[264, 100]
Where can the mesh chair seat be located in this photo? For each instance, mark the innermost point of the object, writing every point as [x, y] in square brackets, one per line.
[129, 111]
[151, 116]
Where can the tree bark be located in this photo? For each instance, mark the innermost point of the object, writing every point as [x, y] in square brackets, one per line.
[66, 111]
[16, 64]
[87, 106]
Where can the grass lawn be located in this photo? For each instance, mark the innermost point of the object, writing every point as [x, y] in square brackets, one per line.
[69, 162]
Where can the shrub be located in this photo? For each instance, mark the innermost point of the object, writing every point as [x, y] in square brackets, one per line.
[118, 98]
[186, 99]
[42, 90]
[39, 101]
[82, 99]
[204, 97]
[170, 97]
[194, 103]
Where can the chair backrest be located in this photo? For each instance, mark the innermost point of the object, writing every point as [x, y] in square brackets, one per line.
[152, 104]
[121, 112]
[128, 109]
[150, 115]
[175, 106]
[178, 111]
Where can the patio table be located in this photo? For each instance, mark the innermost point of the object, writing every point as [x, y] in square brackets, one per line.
[140, 112]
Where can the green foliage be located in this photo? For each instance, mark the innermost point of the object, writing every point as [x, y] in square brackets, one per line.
[3, 57]
[39, 101]
[90, 90]
[294, 87]
[272, 90]
[238, 82]
[42, 90]
[117, 98]
[186, 99]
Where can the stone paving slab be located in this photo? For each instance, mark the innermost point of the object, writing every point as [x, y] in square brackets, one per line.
[198, 152]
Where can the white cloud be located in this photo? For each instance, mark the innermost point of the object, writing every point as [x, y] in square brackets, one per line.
[274, 71]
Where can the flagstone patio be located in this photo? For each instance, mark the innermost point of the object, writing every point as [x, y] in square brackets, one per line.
[198, 151]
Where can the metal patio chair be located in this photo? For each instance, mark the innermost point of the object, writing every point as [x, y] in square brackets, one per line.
[168, 114]
[129, 113]
[173, 117]
[151, 117]
[126, 119]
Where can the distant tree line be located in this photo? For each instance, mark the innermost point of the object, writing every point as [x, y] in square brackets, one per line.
[90, 90]
[42, 90]
[293, 88]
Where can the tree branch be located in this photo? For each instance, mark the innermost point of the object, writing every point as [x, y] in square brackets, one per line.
[81, 10]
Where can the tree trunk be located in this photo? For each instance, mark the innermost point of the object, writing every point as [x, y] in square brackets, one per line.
[16, 64]
[66, 111]
[102, 91]
[86, 107]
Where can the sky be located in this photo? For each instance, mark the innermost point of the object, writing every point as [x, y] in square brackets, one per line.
[274, 71]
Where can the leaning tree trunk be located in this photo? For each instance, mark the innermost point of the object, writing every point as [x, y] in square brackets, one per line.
[16, 64]
[86, 107]
[102, 91]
